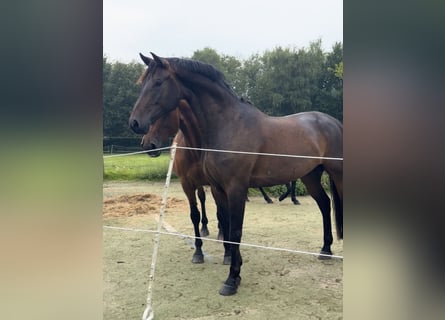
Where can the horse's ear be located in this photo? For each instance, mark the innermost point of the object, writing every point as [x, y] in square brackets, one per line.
[146, 60]
[160, 61]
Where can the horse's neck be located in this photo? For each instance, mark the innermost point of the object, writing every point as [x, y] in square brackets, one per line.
[192, 137]
[206, 104]
[219, 112]
[189, 125]
[200, 84]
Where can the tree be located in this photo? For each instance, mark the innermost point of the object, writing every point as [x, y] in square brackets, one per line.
[286, 79]
[248, 75]
[120, 92]
[228, 65]
[329, 98]
[279, 82]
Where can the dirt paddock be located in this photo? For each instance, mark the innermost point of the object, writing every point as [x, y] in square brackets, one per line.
[275, 285]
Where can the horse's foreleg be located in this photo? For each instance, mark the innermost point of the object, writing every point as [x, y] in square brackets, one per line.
[236, 199]
[315, 189]
[220, 232]
[223, 225]
[204, 220]
[198, 256]
[195, 216]
[223, 222]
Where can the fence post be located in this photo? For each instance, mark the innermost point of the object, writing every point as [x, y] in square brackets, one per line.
[149, 313]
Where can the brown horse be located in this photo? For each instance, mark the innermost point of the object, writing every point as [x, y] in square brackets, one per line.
[167, 127]
[187, 166]
[248, 144]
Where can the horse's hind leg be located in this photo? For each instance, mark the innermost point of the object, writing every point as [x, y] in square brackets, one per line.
[204, 220]
[265, 196]
[312, 182]
[293, 189]
[335, 171]
[285, 194]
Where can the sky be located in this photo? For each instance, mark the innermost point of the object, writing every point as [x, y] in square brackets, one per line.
[240, 28]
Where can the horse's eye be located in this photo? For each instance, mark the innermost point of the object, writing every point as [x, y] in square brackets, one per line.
[158, 82]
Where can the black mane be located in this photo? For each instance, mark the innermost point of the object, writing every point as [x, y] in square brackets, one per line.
[201, 68]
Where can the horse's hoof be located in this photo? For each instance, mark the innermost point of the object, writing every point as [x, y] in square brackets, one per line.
[230, 287]
[269, 201]
[227, 290]
[198, 258]
[325, 255]
[204, 232]
[296, 202]
[227, 260]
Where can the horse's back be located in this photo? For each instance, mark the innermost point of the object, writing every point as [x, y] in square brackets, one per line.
[304, 137]
[329, 129]
[302, 131]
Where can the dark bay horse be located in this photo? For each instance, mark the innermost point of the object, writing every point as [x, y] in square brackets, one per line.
[227, 123]
[168, 126]
[187, 166]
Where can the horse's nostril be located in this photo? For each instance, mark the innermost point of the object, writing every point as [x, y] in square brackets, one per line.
[134, 124]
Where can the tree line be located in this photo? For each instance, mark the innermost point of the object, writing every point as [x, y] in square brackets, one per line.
[279, 82]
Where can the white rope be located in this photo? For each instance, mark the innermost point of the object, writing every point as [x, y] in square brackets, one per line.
[177, 234]
[149, 313]
[228, 151]
[262, 154]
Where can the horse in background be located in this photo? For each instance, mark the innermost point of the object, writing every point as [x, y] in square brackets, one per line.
[186, 165]
[290, 189]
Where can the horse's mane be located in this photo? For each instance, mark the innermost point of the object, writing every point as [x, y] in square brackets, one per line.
[193, 66]
[202, 69]
[242, 99]
[142, 77]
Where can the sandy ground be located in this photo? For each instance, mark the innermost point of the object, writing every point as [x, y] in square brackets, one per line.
[275, 284]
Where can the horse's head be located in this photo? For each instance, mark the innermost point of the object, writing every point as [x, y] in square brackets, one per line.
[159, 95]
[158, 134]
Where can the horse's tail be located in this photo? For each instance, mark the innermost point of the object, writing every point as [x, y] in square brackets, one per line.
[338, 210]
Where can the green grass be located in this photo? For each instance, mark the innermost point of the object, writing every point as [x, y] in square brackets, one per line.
[143, 167]
[136, 167]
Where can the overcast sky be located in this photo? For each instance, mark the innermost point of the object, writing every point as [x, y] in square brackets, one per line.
[238, 28]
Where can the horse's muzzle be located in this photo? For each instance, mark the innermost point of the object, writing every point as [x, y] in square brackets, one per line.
[155, 153]
[149, 146]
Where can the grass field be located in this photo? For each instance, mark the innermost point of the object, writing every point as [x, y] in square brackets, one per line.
[142, 167]
[136, 167]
